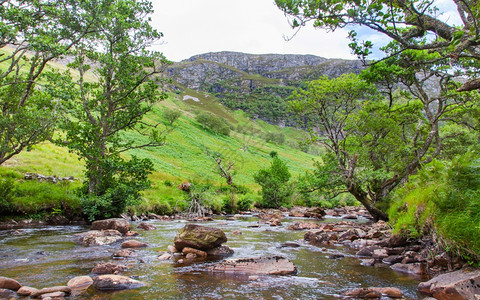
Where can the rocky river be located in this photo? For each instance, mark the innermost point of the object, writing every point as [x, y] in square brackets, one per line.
[49, 256]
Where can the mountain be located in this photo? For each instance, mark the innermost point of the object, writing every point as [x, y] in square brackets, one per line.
[256, 84]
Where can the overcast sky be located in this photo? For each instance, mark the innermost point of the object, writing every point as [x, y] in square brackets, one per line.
[252, 26]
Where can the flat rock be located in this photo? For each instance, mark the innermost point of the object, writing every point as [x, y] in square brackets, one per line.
[54, 289]
[54, 295]
[165, 256]
[273, 265]
[134, 244]
[458, 285]
[119, 224]
[80, 282]
[375, 292]
[9, 283]
[26, 291]
[108, 268]
[116, 282]
[303, 226]
[199, 237]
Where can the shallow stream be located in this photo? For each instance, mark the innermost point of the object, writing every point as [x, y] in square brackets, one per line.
[49, 256]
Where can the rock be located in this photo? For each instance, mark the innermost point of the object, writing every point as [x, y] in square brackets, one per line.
[99, 238]
[131, 233]
[124, 253]
[53, 295]
[198, 253]
[7, 294]
[57, 220]
[146, 226]
[172, 249]
[190, 256]
[9, 284]
[397, 240]
[134, 244]
[26, 291]
[303, 226]
[63, 289]
[374, 292]
[165, 256]
[289, 244]
[80, 282]
[393, 259]
[275, 222]
[119, 224]
[273, 265]
[220, 251]
[458, 285]
[116, 282]
[380, 254]
[350, 217]
[108, 268]
[367, 251]
[253, 277]
[199, 237]
[336, 256]
[320, 237]
[415, 268]
[237, 232]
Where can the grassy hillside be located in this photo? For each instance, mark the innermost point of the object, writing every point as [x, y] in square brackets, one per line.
[182, 159]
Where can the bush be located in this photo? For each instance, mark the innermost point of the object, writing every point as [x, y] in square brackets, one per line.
[276, 190]
[171, 115]
[7, 186]
[444, 199]
[214, 123]
[245, 202]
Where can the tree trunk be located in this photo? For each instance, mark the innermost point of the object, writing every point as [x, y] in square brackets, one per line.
[362, 197]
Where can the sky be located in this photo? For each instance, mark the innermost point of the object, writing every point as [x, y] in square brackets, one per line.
[193, 27]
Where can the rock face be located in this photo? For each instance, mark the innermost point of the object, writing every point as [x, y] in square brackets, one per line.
[117, 223]
[9, 284]
[458, 285]
[274, 265]
[116, 282]
[199, 237]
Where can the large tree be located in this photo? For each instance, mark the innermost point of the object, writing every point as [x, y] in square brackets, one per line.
[32, 34]
[411, 24]
[117, 86]
[373, 143]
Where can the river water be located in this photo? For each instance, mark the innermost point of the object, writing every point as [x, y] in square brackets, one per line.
[49, 256]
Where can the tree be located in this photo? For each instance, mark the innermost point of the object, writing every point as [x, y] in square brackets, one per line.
[214, 123]
[125, 91]
[171, 115]
[276, 190]
[32, 34]
[373, 145]
[225, 168]
[411, 25]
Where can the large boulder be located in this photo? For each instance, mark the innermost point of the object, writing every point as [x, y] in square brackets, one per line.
[9, 284]
[80, 282]
[116, 282]
[199, 237]
[273, 265]
[458, 285]
[119, 224]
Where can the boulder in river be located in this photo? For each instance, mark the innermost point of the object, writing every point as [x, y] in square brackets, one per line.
[108, 268]
[7, 294]
[119, 224]
[458, 285]
[80, 282]
[134, 244]
[273, 265]
[198, 253]
[9, 283]
[220, 251]
[116, 282]
[63, 289]
[99, 237]
[124, 254]
[199, 237]
[26, 291]
[146, 226]
[374, 292]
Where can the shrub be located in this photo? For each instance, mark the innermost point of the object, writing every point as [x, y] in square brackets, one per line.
[276, 190]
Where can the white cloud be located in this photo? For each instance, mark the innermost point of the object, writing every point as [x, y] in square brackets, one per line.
[252, 26]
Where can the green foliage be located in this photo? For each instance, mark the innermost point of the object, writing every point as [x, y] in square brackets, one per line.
[213, 122]
[171, 115]
[275, 137]
[121, 184]
[6, 195]
[276, 190]
[444, 198]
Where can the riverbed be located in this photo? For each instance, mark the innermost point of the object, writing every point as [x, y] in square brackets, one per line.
[48, 256]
